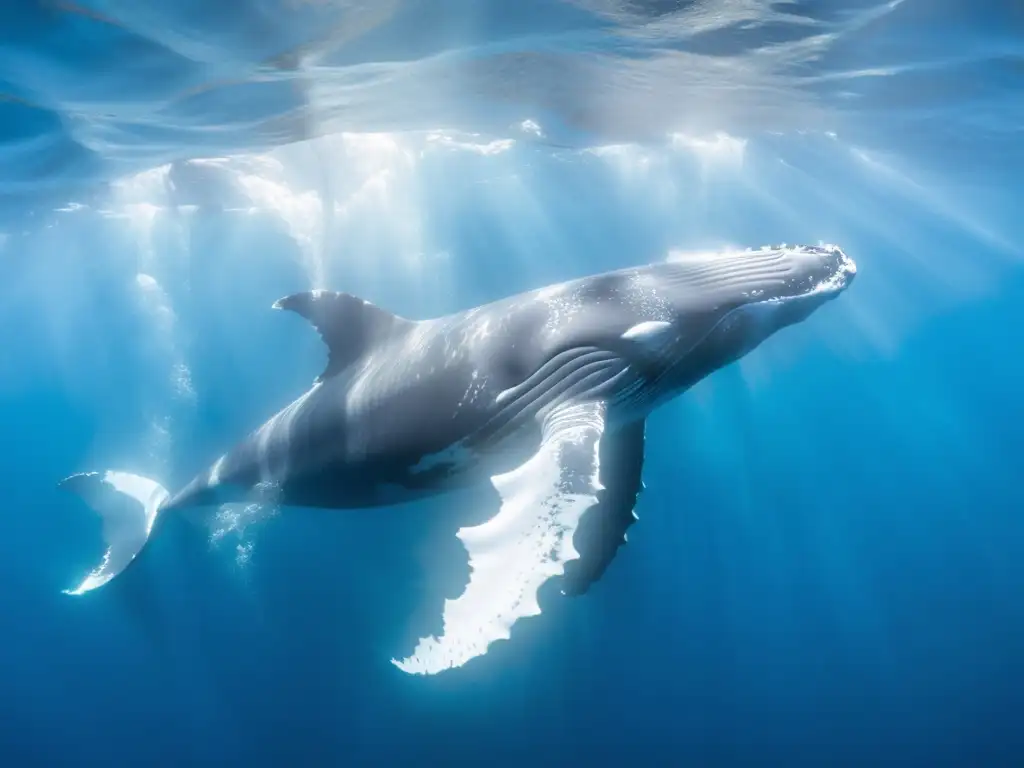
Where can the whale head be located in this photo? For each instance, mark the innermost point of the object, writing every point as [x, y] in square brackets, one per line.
[725, 305]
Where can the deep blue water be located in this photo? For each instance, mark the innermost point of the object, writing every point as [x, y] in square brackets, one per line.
[827, 568]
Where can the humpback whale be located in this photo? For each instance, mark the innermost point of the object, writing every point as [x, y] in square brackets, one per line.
[543, 394]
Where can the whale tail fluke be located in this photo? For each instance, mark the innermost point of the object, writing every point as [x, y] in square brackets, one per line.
[128, 505]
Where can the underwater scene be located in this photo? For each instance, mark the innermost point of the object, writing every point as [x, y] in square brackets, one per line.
[512, 383]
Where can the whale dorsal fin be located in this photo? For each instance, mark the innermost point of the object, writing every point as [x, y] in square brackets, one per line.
[348, 325]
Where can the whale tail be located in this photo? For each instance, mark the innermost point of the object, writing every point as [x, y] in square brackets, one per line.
[128, 505]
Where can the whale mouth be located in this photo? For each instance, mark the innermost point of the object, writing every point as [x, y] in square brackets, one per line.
[837, 270]
[746, 297]
[822, 271]
[807, 277]
[757, 275]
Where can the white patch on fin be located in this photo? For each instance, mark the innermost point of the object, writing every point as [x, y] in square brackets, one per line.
[527, 543]
[648, 331]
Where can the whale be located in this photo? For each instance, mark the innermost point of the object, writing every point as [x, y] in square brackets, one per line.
[543, 395]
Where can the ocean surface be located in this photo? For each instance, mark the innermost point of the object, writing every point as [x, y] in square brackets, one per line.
[829, 563]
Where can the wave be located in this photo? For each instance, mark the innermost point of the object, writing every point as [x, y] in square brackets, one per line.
[98, 90]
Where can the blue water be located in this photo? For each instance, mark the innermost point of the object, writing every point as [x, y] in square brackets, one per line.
[827, 568]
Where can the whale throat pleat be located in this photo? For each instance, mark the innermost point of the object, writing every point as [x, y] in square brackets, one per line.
[575, 374]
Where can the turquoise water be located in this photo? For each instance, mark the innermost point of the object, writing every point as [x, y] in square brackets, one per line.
[827, 564]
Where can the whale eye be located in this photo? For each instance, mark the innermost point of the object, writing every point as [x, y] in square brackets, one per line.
[514, 368]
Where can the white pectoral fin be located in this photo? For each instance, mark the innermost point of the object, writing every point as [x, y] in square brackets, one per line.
[527, 543]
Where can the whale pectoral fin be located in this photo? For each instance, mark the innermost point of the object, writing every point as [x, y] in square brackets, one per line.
[602, 529]
[526, 544]
[348, 325]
